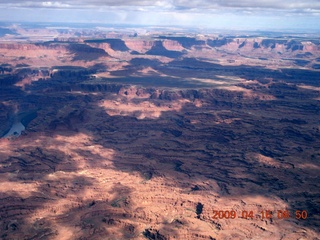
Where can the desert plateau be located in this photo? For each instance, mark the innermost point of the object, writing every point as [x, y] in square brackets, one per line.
[160, 134]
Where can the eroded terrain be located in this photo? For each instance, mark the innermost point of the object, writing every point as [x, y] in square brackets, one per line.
[131, 136]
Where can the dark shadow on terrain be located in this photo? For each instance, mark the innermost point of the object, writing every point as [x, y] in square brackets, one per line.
[219, 152]
[136, 64]
[191, 143]
[186, 42]
[29, 165]
[159, 50]
[115, 44]
[34, 163]
[144, 62]
[14, 220]
[156, 81]
[85, 52]
[194, 68]
[10, 99]
[218, 42]
[182, 71]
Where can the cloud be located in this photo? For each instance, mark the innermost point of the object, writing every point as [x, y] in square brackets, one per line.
[36, 4]
[242, 14]
[174, 5]
[55, 4]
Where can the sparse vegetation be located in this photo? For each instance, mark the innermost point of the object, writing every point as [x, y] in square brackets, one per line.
[199, 208]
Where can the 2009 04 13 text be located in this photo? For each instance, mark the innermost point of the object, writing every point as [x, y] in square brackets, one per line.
[265, 214]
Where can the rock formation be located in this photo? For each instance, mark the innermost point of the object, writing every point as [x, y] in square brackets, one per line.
[186, 138]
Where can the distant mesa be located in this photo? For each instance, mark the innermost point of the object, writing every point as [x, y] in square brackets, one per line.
[227, 117]
[159, 50]
[271, 43]
[68, 40]
[71, 72]
[294, 45]
[218, 42]
[85, 52]
[186, 42]
[115, 44]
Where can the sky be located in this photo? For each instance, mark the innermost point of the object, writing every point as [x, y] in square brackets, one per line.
[219, 14]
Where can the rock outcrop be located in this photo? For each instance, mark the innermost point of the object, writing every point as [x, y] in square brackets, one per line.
[186, 138]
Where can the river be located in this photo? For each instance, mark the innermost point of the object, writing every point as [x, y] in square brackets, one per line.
[15, 130]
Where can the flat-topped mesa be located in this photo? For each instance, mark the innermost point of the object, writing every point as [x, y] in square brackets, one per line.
[114, 43]
[143, 46]
[257, 45]
[204, 94]
[173, 45]
[161, 45]
[72, 39]
[263, 44]
[32, 46]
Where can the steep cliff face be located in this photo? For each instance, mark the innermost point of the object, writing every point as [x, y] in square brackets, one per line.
[173, 45]
[185, 42]
[102, 156]
[218, 42]
[142, 46]
[259, 45]
[6, 118]
[158, 49]
[86, 52]
[206, 95]
[265, 45]
[114, 44]
[139, 45]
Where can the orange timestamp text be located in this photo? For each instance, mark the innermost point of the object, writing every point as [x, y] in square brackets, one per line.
[265, 214]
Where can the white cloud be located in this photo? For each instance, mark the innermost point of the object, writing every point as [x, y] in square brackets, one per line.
[221, 13]
[55, 5]
[182, 5]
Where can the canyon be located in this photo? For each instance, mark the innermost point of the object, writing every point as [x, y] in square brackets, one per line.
[147, 135]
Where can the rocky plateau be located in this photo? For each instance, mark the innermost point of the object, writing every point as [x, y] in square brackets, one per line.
[118, 135]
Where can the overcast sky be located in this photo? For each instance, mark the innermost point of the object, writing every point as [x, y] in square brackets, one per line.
[225, 14]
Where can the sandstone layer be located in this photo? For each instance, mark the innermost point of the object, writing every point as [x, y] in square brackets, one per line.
[150, 137]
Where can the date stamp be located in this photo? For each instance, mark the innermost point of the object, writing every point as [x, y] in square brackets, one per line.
[265, 214]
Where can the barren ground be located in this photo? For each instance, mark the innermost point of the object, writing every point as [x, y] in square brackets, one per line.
[151, 144]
